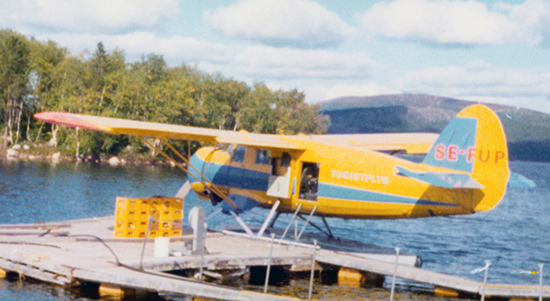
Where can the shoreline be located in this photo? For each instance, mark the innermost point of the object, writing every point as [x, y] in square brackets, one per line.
[25, 153]
[43, 153]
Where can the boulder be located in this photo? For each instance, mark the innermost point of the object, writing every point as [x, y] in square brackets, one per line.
[114, 161]
[12, 153]
[56, 157]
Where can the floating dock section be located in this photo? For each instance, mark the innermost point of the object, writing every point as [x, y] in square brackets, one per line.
[75, 252]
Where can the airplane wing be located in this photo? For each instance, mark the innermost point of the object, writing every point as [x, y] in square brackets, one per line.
[161, 130]
[411, 143]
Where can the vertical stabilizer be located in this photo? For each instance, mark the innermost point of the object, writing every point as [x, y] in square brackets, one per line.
[474, 143]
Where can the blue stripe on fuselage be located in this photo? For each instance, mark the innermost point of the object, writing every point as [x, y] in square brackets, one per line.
[230, 176]
[332, 191]
[225, 175]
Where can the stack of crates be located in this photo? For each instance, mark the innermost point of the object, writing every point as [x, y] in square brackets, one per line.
[133, 215]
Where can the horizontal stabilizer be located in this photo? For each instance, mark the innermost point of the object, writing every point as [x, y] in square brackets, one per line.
[442, 179]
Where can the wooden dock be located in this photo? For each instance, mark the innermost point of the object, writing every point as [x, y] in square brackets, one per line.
[438, 280]
[85, 251]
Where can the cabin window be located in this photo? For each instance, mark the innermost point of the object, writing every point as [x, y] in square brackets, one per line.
[262, 156]
[285, 161]
[309, 181]
[239, 153]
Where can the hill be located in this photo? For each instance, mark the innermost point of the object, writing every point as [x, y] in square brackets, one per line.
[527, 131]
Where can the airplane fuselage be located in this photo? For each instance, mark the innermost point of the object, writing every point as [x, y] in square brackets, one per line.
[339, 182]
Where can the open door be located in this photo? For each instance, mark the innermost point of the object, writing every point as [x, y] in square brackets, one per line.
[309, 181]
[279, 179]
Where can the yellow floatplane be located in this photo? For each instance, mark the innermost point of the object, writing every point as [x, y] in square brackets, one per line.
[348, 176]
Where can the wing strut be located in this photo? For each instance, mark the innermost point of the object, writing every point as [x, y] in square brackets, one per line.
[212, 186]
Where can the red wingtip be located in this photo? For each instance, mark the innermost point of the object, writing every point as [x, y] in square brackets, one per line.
[67, 119]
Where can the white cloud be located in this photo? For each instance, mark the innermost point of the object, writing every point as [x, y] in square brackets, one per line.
[271, 62]
[459, 22]
[317, 93]
[244, 62]
[533, 17]
[478, 78]
[480, 81]
[299, 23]
[535, 103]
[176, 50]
[85, 16]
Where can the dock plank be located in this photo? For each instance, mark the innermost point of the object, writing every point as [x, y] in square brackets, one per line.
[430, 277]
[404, 272]
[532, 291]
[165, 283]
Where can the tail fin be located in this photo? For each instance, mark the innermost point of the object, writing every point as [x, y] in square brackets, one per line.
[474, 142]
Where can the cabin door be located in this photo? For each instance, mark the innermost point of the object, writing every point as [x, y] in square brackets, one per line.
[279, 179]
[309, 181]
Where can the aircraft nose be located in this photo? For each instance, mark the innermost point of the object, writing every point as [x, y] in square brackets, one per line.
[198, 187]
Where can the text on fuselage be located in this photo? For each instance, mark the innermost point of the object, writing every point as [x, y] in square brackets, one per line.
[360, 177]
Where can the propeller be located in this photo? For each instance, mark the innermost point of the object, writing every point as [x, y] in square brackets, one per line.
[184, 190]
[213, 191]
[186, 187]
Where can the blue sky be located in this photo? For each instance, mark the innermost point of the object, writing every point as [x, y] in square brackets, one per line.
[488, 51]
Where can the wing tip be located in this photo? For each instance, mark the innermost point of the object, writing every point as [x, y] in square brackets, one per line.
[67, 119]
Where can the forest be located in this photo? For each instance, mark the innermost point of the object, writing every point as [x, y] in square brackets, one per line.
[43, 76]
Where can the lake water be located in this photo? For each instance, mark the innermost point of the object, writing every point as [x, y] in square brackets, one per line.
[514, 236]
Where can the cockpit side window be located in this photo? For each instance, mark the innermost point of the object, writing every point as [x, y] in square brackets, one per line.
[263, 156]
[285, 161]
[239, 153]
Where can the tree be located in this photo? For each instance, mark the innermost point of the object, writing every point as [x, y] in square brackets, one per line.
[14, 72]
[295, 116]
[45, 78]
[257, 113]
[224, 101]
[280, 112]
[38, 76]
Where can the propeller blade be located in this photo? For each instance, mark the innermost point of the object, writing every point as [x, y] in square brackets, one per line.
[184, 190]
[186, 187]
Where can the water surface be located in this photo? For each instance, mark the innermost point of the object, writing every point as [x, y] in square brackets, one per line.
[514, 236]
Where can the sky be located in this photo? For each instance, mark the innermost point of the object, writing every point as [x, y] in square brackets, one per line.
[483, 51]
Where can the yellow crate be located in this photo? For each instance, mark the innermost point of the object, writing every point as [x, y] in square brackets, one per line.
[132, 216]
